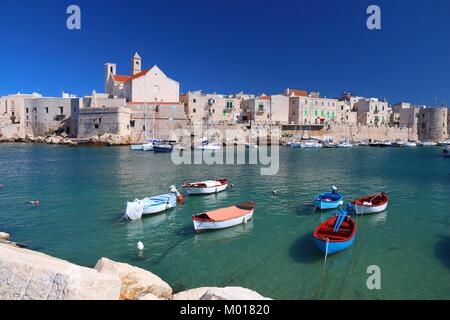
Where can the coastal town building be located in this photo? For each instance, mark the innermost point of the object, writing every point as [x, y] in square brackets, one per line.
[149, 85]
[46, 115]
[372, 112]
[212, 107]
[266, 109]
[310, 108]
[404, 114]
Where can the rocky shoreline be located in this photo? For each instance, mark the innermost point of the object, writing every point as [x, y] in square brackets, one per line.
[106, 139]
[31, 275]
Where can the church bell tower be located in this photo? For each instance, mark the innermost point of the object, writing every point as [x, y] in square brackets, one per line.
[137, 64]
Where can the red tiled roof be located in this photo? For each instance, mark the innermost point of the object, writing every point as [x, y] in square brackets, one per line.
[298, 93]
[121, 78]
[128, 78]
[265, 97]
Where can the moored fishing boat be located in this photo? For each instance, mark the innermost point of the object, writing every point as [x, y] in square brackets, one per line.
[224, 217]
[335, 234]
[429, 144]
[206, 187]
[371, 204]
[386, 144]
[309, 144]
[329, 200]
[152, 205]
[137, 147]
[410, 144]
[163, 146]
[344, 144]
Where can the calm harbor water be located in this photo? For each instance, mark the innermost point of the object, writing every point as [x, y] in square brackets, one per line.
[83, 193]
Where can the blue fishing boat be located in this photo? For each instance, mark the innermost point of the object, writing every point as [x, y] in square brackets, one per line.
[335, 234]
[329, 200]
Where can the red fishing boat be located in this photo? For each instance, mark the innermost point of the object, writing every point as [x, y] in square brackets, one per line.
[371, 204]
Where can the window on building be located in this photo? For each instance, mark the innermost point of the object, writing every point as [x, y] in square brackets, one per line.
[35, 117]
[96, 126]
[306, 112]
[333, 115]
[27, 117]
[316, 113]
[322, 113]
[342, 108]
[34, 110]
[61, 110]
[46, 109]
[214, 110]
[99, 120]
[328, 114]
[132, 123]
[194, 111]
[143, 128]
[268, 116]
[27, 110]
[194, 101]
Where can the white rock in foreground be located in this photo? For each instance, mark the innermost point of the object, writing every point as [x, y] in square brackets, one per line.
[4, 236]
[29, 275]
[136, 282]
[227, 293]
[192, 294]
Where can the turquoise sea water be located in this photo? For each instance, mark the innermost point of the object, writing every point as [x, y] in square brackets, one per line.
[83, 193]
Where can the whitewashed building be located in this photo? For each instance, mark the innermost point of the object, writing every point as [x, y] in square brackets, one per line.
[149, 85]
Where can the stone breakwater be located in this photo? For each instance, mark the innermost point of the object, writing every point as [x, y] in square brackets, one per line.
[101, 140]
[30, 275]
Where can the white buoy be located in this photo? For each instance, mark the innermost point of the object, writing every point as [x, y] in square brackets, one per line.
[140, 246]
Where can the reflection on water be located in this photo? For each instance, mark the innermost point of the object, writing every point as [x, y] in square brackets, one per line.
[223, 235]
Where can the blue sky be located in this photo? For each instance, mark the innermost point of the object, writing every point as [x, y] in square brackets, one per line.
[232, 45]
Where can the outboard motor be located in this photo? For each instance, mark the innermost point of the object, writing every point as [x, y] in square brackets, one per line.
[334, 189]
[174, 190]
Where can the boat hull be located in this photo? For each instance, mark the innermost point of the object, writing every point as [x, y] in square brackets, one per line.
[323, 204]
[333, 247]
[206, 190]
[200, 226]
[208, 147]
[361, 210]
[147, 147]
[162, 149]
[137, 147]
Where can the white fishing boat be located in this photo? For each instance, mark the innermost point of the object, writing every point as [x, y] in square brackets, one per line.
[137, 147]
[206, 187]
[208, 147]
[225, 217]
[429, 144]
[148, 146]
[152, 205]
[371, 204]
[445, 143]
[410, 144]
[304, 145]
[344, 144]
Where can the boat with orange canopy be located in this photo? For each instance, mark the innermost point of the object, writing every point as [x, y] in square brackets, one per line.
[224, 217]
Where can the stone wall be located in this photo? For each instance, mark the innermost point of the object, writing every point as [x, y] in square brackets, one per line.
[357, 133]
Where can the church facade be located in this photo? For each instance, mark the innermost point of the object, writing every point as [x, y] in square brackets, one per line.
[142, 86]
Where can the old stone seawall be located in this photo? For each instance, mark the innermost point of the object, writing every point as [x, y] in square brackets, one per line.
[231, 134]
[30, 275]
